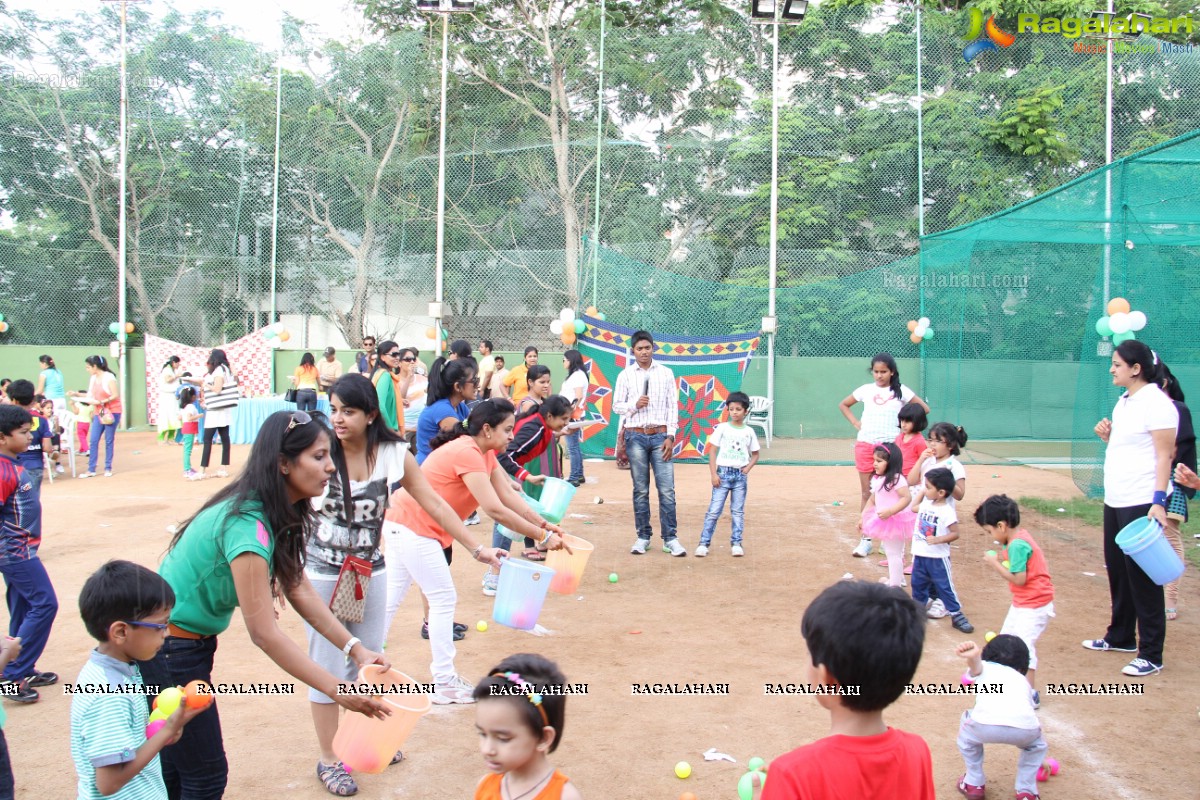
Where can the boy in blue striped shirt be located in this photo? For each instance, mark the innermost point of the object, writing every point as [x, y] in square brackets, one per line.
[126, 607]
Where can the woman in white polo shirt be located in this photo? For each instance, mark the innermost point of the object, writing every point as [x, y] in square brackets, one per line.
[1137, 472]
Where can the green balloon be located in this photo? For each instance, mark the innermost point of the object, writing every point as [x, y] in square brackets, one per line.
[1102, 327]
[600, 316]
[746, 784]
[113, 328]
[1, 318]
[1123, 337]
[928, 334]
[580, 326]
[756, 763]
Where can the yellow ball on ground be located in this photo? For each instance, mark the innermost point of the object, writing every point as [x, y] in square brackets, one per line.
[683, 769]
[481, 626]
[987, 637]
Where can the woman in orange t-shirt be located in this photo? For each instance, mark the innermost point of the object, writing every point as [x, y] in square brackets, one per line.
[463, 470]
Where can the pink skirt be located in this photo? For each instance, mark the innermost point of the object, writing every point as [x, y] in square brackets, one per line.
[897, 526]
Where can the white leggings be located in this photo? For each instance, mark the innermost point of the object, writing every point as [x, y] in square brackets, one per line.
[411, 557]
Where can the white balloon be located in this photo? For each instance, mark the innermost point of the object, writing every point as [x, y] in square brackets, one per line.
[1137, 320]
[278, 327]
[923, 322]
[556, 327]
[1119, 322]
[567, 315]
[920, 330]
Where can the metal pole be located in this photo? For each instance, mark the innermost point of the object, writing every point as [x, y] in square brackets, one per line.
[1108, 118]
[122, 222]
[772, 257]
[275, 201]
[599, 148]
[439, 257]
[920, 190]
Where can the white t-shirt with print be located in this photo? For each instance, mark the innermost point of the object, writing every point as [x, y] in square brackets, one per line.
[1129, 460]
[735, 444]
[881, 411]
[1012, 706]
[337, 535]
[932, 520]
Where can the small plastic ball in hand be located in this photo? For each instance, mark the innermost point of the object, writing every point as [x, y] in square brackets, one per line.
[198, 695]
[168, 700]
[1006, 564]
[746, 786]
[683, 769]
[157, 725]
[1049, 767]
[987, 637]
[756, 763]
[612, 577]
[991, 553]
[967, 680]
[481, 626]
[157, 715]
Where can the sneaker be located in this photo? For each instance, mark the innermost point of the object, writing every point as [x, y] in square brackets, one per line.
[969, 791]
[576, 482]
[460, 631]
[18, 692]
[1037, 699]
[197, 476]
[490, 581]
[189, 474]
[472, 520]
[457, 691]
[863, 549]
[908, 570]
[673, 547]
[108, 473]
[59, 469]
[1026, 796]
[87, 474]
[221, 473]
[41, 679]
[736, 551]
[1140, 668]
[639, 546]
[961, 623]
[701, 551]
[1102, 644]
[936, 610]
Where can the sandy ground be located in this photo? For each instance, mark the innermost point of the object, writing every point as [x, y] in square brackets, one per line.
[716, 620]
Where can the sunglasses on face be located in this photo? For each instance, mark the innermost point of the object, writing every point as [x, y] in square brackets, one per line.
[393, 355]
[154, 626]
[409, 360]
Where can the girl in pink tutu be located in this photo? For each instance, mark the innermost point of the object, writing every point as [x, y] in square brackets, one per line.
[887, 516]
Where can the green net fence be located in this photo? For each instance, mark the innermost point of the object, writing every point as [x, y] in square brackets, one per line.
[638, 183]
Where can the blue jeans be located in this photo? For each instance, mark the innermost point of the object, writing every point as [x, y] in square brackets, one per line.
[645, 454]
[306, 399]
[195, 767]
[574, 441]
[110, 435]
[32, 607]
[733, 482]
[6, 776]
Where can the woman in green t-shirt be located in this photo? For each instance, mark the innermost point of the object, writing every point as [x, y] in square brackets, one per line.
[244, 549]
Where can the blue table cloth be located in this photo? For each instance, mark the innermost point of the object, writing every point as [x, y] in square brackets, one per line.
[252, 412]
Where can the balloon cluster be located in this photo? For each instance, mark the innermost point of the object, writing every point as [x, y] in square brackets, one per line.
[276, 334]
[746, 784]
[438, 337]
[121, 335]
[919, 330]
[1121, 321]
[196, 694]
[3, 325]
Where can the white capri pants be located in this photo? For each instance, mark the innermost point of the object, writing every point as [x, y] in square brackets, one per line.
[1027, 625]
[411, 557]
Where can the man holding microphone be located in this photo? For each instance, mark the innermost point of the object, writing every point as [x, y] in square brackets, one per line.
[647, 397]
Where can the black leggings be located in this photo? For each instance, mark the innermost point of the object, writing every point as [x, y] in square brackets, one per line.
[209, 433]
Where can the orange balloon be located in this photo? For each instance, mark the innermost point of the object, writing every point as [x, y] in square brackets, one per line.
[1118, 305]
[912, 325]
[915, 339]
[591, 311]
[430, 333]
[283, 337]
[3, 327]
[568, 337]
[129, 328]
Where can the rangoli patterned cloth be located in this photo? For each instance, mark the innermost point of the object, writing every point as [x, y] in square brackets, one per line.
[250, 357]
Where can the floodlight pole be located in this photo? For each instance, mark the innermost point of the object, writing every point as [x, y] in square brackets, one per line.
[122, 223]
[1108, 117]
[599, 148]
[773, 256]
[275, 200]
[440, 250]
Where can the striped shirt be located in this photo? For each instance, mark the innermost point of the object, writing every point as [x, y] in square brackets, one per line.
[659, 383]
[107, 728]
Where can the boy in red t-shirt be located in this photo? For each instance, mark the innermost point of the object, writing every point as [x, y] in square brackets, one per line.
[1022, 564]
[862, 669]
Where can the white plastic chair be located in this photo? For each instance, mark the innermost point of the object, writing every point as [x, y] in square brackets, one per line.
[759, 415]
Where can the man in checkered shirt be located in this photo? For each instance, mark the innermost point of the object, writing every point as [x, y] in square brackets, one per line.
[648, 399]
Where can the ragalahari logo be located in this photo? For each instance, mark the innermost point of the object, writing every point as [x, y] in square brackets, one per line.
[984, 36]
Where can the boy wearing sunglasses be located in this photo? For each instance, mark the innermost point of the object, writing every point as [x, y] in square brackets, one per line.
[127, 608]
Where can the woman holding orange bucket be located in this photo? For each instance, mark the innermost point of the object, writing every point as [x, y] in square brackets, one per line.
[1137, 471]
[462, 469]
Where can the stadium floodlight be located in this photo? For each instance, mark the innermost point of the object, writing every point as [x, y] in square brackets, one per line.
[794, 11]
[428, 6]
[762, 12]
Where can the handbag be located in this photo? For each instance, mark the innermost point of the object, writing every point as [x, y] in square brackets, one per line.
[105, 416]
[290, 395]
[349, 600]
[228, 397]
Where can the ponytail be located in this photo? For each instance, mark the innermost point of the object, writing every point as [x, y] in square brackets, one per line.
[489, 412]
[444, 375]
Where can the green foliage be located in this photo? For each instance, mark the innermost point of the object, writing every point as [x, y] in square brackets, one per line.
[1028, 127]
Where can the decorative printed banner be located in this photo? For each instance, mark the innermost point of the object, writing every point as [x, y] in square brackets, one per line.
[249, 356]
[706, 370]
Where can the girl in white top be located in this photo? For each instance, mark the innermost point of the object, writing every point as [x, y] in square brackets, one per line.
[882, 401]
[575, 389]
[945, 444]
[168, 403]
[1137, 474]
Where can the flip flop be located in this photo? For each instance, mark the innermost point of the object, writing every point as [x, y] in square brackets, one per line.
[1172, 614]
[534, 554]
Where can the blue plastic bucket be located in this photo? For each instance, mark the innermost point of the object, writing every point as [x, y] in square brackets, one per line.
[1144, 542]
[534, 503]
[556, 496]
[520, 592]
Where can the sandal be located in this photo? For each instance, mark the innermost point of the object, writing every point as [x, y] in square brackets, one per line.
[396, 759]
[337, 781]
[533, 554]
[1172, 614]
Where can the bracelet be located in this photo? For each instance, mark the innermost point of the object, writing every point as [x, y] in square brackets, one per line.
[546, 538]
[1160, 499]
[475, 553]
[350, 644]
